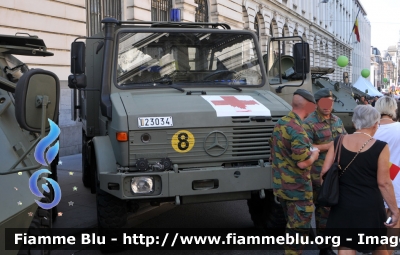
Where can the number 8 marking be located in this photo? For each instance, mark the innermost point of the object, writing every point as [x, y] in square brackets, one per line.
[182, 141]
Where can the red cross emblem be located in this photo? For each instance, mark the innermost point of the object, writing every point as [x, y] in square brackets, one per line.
[233, 101]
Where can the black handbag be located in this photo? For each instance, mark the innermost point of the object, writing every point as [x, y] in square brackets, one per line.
[329, 193]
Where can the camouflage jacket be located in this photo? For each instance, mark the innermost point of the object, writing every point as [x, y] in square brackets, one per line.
[289, 145]
[321, 131]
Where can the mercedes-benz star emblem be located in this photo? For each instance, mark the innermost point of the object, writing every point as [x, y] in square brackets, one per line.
[215, 144]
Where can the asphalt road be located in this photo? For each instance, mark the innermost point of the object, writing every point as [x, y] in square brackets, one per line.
[82, 214]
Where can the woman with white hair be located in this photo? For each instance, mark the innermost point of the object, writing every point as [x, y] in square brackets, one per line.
[363, 184]
[389, 132]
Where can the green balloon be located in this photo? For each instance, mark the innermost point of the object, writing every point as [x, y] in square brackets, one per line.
[342, 61]
[365, 73]
[385, 79]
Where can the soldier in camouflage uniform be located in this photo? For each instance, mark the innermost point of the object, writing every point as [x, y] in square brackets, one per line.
[291, 159]
[322, 127]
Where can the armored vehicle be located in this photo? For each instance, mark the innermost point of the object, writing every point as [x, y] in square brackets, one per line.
[284, 79]
[179, 112]
[28, 98]
[344, 94]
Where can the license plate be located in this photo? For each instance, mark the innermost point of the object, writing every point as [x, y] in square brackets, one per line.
[155, 122]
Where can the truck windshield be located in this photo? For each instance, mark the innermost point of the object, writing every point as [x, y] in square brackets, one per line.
[187, 59]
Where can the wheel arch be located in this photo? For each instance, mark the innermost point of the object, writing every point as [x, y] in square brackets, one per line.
[104, 155]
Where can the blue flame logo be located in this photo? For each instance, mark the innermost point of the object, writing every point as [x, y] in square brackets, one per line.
[50, 156]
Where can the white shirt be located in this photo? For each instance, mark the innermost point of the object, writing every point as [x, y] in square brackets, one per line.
[390, 133]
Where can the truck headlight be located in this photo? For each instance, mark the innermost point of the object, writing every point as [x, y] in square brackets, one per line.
[143, 184]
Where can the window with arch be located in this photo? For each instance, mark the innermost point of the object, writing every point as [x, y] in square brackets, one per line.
[160, 10]
[100, 9]
[201, 11]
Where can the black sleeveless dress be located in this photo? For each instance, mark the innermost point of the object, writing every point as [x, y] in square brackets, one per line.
[360, 208]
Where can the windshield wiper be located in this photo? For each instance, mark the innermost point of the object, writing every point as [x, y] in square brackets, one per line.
[168, 81]
[223, 82]
[178, 88]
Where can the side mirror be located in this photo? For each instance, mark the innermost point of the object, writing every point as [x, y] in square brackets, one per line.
[30, 90]
[77, 80]
[78, 57]
[301, 54]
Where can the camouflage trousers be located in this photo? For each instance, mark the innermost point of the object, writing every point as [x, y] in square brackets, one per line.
[321, 212]
[298, 216]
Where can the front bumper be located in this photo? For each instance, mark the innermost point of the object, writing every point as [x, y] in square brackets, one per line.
[191, 182]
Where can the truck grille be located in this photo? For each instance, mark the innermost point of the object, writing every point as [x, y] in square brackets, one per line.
[246, 142]
[251, 141]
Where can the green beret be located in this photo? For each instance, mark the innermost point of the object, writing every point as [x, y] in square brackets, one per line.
[322, 93]
[305, 94]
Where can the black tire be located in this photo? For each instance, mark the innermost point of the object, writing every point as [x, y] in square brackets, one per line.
[85, 162]
[112, 212]
[255, 205]
[42, 221]
[266, 213]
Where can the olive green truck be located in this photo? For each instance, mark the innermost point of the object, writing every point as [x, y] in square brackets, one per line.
[181, 112]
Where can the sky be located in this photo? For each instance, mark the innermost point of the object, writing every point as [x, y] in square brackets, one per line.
[384, 16]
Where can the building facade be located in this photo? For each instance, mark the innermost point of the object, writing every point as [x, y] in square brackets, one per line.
[389, 69]
[394, 52]
[376, 72]
[326, 25]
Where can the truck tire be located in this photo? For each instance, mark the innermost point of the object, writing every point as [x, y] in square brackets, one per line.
[85, 163]
[41, 220]
[255, 205]
[266, 213]
[112, 212]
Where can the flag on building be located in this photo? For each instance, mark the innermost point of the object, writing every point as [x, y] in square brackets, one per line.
[355, 30]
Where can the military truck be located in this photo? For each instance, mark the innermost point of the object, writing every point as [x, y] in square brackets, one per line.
[28, 98]
[181, 112]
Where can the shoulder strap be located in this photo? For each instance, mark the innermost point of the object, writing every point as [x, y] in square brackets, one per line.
[339, 148]
[358, 152]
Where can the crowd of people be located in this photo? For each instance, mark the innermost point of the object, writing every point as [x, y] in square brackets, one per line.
[302, 151]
